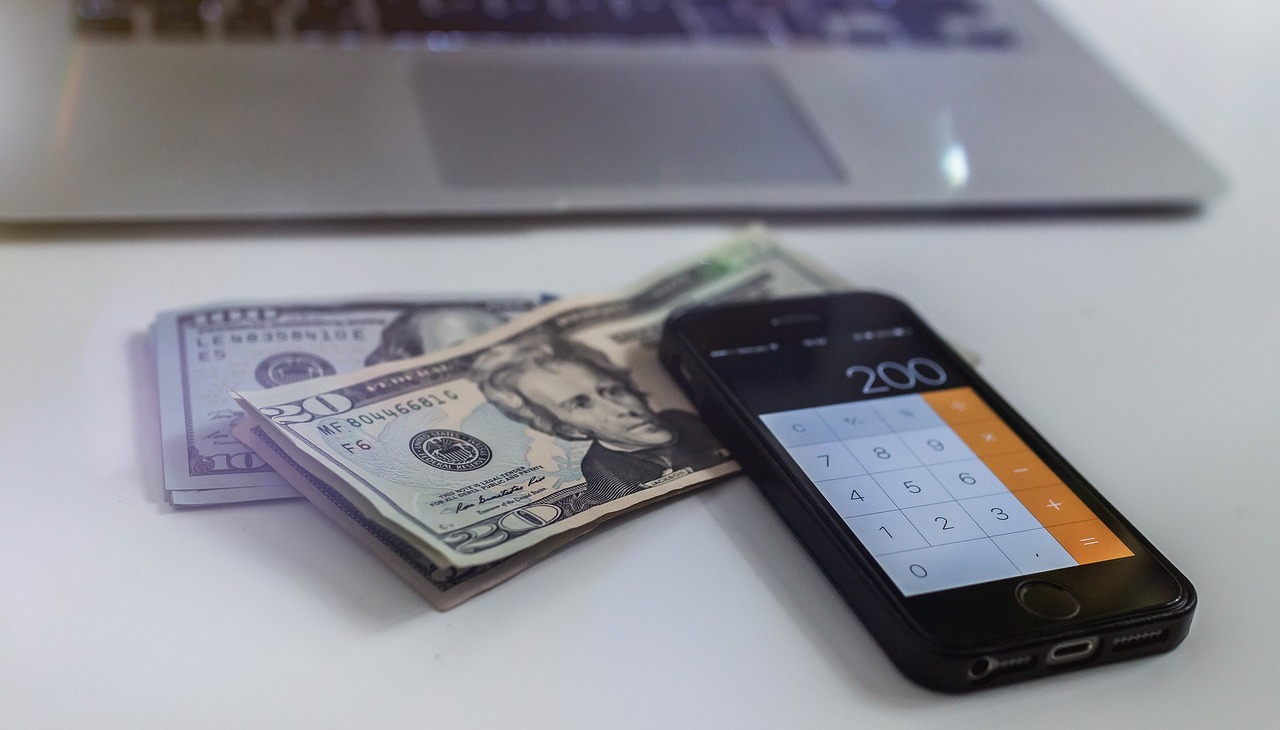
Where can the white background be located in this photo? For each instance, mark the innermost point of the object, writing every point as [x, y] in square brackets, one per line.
[1145, 348]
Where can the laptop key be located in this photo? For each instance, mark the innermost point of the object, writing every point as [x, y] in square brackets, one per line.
[327, 17]
[251, 19]
[925, 21]
[176, 18]
[572, 17]
[104, 17]
[735, 18]
[401, 16]
[648, 18]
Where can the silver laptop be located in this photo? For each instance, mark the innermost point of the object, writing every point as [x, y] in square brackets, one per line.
[229, 109]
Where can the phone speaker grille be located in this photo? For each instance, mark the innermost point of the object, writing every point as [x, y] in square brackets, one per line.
[1013, 663]
[1140, 639]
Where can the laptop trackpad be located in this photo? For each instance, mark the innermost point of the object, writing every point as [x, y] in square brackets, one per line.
[541, 124]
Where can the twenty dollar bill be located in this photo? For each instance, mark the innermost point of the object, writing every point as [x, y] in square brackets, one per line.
[201, 353]
[537, 429]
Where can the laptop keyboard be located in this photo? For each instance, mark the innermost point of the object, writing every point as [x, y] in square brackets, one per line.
[444, 24]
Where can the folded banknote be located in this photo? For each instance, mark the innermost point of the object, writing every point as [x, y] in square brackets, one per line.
[203, 352]
[523, 437]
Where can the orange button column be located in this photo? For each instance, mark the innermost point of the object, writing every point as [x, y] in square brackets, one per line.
[1050, 501]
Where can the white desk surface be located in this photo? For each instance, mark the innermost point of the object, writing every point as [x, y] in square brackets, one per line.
[1145, 348]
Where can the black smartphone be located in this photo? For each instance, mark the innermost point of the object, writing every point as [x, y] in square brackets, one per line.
[971, 550]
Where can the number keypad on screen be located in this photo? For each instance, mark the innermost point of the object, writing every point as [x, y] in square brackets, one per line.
[940, 490]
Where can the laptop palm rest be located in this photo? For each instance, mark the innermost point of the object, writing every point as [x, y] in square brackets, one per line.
[569, 124]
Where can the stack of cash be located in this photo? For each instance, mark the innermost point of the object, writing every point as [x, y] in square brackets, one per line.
[202, 353]
[461, 467]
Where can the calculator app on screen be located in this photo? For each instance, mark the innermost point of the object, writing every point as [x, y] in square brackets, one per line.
[940, 490]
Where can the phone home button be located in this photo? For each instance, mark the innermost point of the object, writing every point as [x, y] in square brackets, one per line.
[1047, 600]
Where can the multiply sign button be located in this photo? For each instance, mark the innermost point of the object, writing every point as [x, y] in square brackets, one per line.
[989, 437]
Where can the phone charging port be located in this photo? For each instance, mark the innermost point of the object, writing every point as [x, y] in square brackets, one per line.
[1076, 650]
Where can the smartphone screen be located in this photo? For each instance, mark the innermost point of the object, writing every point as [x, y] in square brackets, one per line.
[975, 553]
[898, 440]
